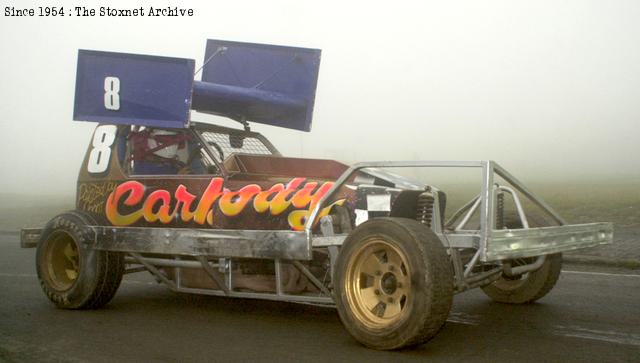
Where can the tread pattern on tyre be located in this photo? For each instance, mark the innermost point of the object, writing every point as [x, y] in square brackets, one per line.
[539, 283]
[109, 265]
[442, 286]
[438, 277]
[554, 274]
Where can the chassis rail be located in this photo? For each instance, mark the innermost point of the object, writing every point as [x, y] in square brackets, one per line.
[195, 248]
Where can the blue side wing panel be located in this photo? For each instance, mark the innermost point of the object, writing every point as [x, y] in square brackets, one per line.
[133, 89]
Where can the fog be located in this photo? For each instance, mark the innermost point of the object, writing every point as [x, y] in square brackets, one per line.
[549, 89]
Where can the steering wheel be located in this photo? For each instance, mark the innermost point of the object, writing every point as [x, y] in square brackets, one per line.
[218, 149]
[185, 167]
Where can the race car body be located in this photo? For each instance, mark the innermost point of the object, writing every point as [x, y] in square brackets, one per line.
[215, 210]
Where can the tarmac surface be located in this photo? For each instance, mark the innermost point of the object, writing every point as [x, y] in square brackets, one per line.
[593, 314]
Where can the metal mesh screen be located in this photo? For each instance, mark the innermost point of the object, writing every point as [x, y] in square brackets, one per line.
[230, 144]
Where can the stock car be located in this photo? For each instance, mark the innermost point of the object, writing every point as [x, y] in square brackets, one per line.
[214, 210]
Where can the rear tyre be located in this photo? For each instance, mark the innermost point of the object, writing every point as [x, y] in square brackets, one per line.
[528, 287]
[72, 274]
[393, 283]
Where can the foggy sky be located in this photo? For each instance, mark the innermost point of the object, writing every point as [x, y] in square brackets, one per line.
[549, 89]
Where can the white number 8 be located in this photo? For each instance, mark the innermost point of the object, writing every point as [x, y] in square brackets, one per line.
[111, 93]
[103, 138]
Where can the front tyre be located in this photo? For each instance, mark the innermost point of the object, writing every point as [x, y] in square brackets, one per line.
[72, 274]
[393, 283]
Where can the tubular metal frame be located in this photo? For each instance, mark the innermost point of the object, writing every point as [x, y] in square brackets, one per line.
[492, 246]
[569, 236]
[225, 284]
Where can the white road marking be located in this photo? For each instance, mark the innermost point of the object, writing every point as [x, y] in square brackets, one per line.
[601, 335]
[464, 318]
[598, 273]
[467, 319]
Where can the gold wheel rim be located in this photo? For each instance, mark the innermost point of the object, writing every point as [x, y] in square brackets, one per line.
[378, 284]
[62, 261]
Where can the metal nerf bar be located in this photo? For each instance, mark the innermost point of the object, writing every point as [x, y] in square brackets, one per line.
[380, 164]
[519, 243]
[487, 194]
[270, 244]
[526, 192]
[469, 209]
[29, 237]
[169, 262]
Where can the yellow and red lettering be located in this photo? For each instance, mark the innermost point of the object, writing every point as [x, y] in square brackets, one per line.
[185, 199]
[261, 202]
[136, 192]
[232, 203]
[156, 207]
[280, 203]
[298, 218]
[213, 192]
[162, 214]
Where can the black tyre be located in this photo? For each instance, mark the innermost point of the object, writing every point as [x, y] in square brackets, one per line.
[527, 287]
[530, 286]
[71, 273]
[393, 283]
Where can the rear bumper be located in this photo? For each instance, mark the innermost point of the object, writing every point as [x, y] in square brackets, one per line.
[29, 237]
[519, 243]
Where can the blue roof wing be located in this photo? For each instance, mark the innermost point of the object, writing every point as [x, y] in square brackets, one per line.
[268, 84]
[262, 83]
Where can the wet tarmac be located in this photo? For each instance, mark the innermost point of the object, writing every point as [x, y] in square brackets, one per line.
[591, 315]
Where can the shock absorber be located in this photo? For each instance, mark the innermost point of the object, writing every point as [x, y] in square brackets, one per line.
[500, 210]
[424, 209]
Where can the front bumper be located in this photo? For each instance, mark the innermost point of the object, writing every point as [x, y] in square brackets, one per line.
[29, 237]
[518, 243]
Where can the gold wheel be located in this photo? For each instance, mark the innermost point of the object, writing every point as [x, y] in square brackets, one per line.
[72, 274]
[393, 283]
[378, 284]
[63, 264]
